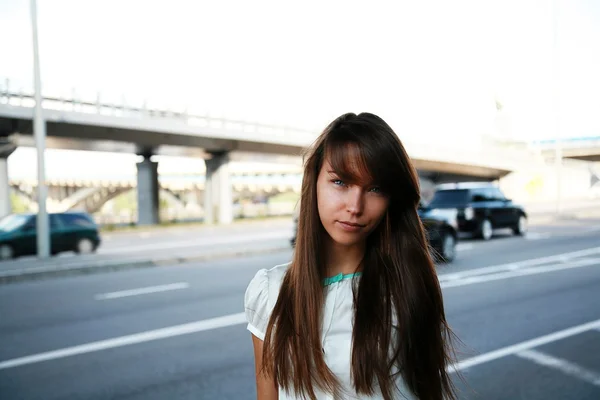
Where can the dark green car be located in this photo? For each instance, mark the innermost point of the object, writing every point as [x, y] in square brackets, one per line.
[69, 231]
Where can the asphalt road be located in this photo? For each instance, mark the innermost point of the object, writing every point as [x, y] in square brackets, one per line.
[525, 309]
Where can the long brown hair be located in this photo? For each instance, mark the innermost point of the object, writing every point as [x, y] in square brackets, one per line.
[398, 287]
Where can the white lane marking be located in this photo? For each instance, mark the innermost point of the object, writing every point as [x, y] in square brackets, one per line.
[523, 346]
[464, 246]
[144, 235]
[144, 290]
[537, 235]
[164, 333]
[520, 272]
[562, 365]
[519, 264]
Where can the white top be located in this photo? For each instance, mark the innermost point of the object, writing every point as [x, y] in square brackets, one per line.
[336, 335]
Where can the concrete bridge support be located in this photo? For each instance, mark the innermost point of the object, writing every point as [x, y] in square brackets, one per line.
[218, 196]
[147, 192]
[6, 149]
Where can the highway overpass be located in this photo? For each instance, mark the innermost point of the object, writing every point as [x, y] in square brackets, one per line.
[74, 124]
[578, 148]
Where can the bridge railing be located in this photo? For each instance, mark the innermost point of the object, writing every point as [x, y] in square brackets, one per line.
[484, 150]
[25, 98]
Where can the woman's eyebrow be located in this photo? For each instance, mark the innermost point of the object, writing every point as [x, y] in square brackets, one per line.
[350, 178]
[341, 175]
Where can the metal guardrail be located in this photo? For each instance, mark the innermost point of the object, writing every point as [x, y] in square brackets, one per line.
[26, 99]
[579, 143]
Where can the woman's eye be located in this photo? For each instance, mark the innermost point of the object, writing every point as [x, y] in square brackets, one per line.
[338, 182]
[376, 189]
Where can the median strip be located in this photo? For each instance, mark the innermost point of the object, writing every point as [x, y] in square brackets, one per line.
[100, 266]
[523, 346]
[558, 258]
[564, 366]
[520, 272]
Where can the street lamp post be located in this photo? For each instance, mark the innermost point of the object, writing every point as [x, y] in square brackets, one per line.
[39, 131]
[556, 103]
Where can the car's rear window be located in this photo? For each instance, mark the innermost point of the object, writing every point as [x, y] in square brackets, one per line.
[13, 221]
[449, 197]
[77, 220]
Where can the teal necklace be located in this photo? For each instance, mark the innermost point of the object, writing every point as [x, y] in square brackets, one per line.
[339, 277]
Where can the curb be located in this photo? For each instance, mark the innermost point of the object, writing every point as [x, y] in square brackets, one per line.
[39, 273]
[564, 217]
[196, 226]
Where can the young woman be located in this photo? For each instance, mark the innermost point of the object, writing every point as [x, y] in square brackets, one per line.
[358, 312]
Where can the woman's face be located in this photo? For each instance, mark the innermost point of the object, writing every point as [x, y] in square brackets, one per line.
[348, 212]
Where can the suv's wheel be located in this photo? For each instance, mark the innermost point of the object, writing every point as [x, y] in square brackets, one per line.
[448, 247]
[6, 252]
[84, 246]
[521, 227]
[486, 229]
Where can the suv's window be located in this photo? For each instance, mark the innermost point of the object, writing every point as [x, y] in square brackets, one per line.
[449, 197]
[76, 220]
[497, 194]
[480, 195]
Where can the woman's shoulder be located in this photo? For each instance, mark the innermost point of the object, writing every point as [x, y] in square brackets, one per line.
[276, 274]
[261, 295]
[271, 277]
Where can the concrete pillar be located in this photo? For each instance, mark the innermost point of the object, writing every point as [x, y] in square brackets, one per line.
[218, 195]
[5, 206]
[209, 194]
[225, 193]
[6, 149]
[147, 192]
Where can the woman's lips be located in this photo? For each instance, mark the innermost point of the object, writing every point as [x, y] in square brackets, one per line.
[350, 226]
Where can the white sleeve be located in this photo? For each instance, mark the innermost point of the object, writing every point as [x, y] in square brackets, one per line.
[256, 304]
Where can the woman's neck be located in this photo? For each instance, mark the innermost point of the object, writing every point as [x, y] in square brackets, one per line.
[343, 259]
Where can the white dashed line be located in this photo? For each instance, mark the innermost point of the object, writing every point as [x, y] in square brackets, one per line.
[142, 337]
[564, 366]
[140, 291]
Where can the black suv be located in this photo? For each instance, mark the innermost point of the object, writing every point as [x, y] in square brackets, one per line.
[480, 208]
[69, 231]
[442, 233]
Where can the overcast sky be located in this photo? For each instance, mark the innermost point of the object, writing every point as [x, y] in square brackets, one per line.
[428, 67]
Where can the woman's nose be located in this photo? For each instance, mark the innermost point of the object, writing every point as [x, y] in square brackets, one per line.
[354, 201]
